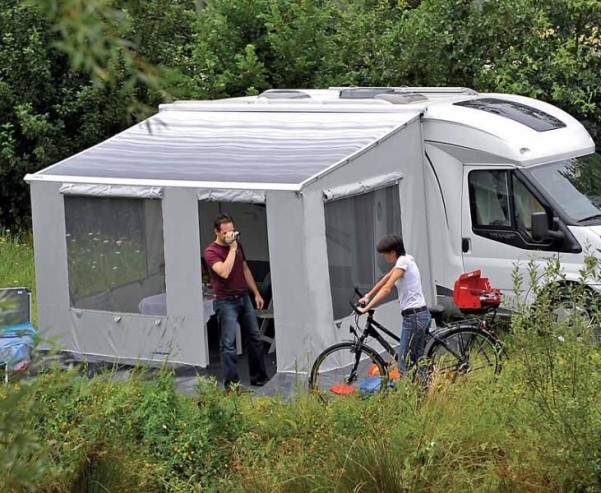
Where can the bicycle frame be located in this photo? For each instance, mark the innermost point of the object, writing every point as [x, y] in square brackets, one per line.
[370, 330]
[373, 326]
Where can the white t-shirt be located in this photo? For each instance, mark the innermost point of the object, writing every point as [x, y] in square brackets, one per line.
[409, 286]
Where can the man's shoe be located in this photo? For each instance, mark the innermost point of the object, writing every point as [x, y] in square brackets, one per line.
[259, 382]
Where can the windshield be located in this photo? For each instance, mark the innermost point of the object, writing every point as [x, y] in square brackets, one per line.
[575, 184]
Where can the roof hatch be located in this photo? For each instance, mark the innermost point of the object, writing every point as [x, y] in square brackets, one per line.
[526, 115]
[284, 94]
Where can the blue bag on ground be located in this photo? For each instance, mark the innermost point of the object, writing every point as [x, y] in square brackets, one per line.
[16, 344]
[17, 334]
[372, 385]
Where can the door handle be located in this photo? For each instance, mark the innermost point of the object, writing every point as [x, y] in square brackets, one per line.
[465, 245]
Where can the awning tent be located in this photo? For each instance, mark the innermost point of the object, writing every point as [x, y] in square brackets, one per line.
[229, 147]
[127, 220]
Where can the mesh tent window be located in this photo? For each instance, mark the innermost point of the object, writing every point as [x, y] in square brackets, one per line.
[115, 252]
[353, 227]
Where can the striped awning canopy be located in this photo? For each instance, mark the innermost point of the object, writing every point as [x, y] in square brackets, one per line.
[231, 146]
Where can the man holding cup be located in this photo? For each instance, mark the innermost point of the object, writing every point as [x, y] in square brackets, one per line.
[231, 279]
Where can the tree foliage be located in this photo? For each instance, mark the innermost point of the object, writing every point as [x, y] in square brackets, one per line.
[74, 72]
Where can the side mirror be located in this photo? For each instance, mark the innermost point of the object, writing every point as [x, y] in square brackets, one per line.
[545, 227]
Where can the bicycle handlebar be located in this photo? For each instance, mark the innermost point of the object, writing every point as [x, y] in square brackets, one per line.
[354, 305]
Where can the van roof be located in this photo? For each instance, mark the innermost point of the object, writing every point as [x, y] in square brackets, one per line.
[505, 127]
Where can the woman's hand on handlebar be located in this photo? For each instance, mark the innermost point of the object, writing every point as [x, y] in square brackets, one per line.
[361, 304]
[361, 307]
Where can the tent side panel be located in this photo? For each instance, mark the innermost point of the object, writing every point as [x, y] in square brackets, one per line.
[402, 152]
[180, 337]
[52, 277]
[183, 274]
[325, 332]
[137, 338]
[296, 307]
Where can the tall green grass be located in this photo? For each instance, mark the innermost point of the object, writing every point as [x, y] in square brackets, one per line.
[72, 434]
[17, 264]
[536, 428]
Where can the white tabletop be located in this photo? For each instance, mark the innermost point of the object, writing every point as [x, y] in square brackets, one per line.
[157, 305]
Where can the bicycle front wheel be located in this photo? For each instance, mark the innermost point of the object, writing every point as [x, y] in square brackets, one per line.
[348, 368]
[466, 352]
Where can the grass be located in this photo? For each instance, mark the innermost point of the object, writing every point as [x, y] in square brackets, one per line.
[141, 435]
[17, 264]
[535, 428]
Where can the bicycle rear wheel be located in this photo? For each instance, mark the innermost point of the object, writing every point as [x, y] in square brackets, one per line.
[347, 368]
[466, 352]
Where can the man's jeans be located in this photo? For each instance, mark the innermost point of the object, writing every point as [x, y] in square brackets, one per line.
[229, 313]
[413, 339]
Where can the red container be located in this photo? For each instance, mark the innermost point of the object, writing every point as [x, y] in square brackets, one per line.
[472, 292]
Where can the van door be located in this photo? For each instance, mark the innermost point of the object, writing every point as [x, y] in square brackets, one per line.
[497, 206]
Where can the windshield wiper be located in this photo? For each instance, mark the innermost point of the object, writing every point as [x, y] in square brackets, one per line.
[594, 216]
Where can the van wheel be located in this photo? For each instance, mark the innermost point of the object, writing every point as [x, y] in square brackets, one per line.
[578, 311]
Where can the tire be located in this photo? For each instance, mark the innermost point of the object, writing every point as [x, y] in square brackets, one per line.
[465, 352]
[578, 317]
[575, 309]
[343, 368]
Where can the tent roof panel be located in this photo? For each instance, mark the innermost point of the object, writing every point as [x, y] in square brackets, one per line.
[249, 147]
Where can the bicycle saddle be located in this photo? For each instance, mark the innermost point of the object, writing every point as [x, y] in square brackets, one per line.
[436, 310]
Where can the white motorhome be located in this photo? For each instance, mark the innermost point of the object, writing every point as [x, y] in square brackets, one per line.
[509, 179]
[313, 178]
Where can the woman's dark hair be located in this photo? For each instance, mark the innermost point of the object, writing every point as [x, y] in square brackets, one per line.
[222, 218]
[391, 243]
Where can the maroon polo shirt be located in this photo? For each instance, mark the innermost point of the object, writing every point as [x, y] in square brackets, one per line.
[235, 284]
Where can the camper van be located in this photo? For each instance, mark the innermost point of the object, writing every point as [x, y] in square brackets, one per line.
[313, 178]
[509, 179]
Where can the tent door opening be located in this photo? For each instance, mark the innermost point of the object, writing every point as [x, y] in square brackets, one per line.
[251, 221]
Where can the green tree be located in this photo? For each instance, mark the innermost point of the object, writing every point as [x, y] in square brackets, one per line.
[71, 75]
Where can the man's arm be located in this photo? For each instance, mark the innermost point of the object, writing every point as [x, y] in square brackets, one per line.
[224, 269]
[250, 282]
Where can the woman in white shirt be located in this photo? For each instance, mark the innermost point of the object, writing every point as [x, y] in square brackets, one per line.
[416, 316]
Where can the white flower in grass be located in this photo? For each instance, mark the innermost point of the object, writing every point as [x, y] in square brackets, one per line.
[118, 242]
[105, 241]
[118, 253]
[115, 268]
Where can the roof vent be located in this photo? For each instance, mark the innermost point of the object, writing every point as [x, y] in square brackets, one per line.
[284, 94]
[394, 95]
[402, 97]
[364, 92]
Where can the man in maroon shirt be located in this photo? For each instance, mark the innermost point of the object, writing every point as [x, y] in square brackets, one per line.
[231, 279]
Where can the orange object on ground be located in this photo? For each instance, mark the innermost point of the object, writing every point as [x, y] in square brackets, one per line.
[342, 389]
[393, 374]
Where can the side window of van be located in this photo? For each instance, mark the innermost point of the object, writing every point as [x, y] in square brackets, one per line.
[525, 205]
[501, 207]
[489, 199]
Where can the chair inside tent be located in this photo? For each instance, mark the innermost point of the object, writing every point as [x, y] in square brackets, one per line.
[17, 333]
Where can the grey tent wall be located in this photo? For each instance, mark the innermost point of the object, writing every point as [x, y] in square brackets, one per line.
[52, 281]
[400, 152]
[300, 288]
[403, 151]
[183, 275]
[129, 338]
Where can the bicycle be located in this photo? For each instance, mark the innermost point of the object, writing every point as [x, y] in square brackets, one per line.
[460, 347]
